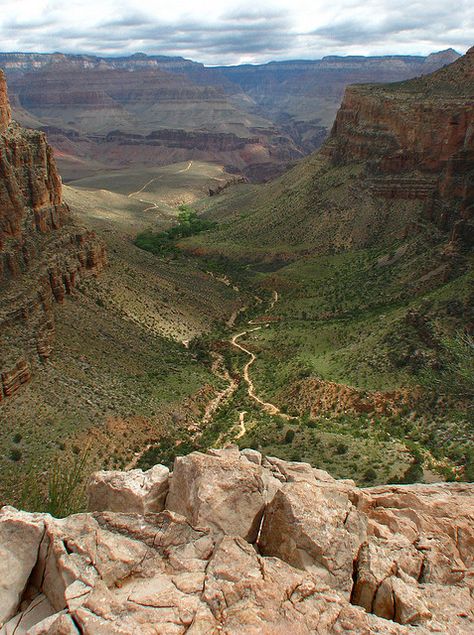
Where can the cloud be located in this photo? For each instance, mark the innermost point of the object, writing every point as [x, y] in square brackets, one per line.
[229, 33]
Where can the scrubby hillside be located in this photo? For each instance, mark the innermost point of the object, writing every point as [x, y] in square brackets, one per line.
[368, 243]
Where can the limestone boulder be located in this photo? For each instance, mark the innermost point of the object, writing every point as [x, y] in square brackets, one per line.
[20, 538]
[133, 491]
[124, 573]
[314, 527]
[437, 519]
[223, 491]
[400, 602]
[378, 560]
[248, 545]
[265, 595]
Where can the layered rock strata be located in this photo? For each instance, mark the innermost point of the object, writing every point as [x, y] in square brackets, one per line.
[242, 544]
[42, 254]
[417, 139]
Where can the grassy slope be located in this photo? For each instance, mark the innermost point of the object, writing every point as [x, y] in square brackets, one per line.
[314, 208]
[119, 374]
[364, 304]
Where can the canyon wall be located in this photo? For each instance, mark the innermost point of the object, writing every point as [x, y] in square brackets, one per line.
[42, 253]
[278, 111]
[417, 140]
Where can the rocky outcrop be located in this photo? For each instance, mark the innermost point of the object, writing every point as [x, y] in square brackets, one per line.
[42, 254]
[134, 491]
[417, 141]
[226, 495]
[5, 114]
[244, 544]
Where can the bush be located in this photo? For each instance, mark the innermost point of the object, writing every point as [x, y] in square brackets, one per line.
[15, 455]
[17, 437]
[370, 474]
[61, 492]
[289, 436]
[455, 378]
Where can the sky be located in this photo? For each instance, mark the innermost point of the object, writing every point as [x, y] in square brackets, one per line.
[223, 32]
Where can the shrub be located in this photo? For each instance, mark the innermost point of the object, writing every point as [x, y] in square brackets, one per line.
[15, 454]
[455, 378]
[60, 492]
[370, 474]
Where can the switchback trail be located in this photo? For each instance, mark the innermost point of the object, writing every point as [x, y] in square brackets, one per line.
[152, 204]
[219, 369]
[268, 407]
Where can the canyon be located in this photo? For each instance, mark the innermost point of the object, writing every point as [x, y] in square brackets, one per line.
[153, 110]
[259, 426]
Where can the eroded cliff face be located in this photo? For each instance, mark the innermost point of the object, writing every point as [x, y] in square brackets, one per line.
[417, 140]
[42, 254]
[5, 114]
[234, 542]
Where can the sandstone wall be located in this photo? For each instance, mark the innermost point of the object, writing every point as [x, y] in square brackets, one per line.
[417, 140]
[43, 255]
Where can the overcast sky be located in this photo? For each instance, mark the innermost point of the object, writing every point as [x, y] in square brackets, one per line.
[223, 32]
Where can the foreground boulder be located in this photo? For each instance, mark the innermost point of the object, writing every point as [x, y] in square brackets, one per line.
[245, 545]
[314, 527]
[133, 491]
[224, 491]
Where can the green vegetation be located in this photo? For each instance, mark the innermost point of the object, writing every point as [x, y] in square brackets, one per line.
[455, 375]
[361, 308]
[163, 243]
[60, 492]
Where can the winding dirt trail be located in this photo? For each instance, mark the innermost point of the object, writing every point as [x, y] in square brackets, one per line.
[219, 369]
[152, 204]
[242, 428]
[188, 167]
[267, 406]
[155, 178]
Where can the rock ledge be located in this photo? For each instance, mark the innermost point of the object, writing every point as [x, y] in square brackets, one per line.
[232, 542]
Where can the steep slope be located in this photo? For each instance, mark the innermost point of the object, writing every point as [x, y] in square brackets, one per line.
[397, 153]
[417, 138]
[42, 254]
[369, 245]
[303, 96]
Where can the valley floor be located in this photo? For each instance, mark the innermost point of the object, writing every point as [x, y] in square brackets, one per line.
[308, 358]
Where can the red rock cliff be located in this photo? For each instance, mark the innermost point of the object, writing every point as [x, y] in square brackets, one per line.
[42, 254]
[5, 114]
[417, 139]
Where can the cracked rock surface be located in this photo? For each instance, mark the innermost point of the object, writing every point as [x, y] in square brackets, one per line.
[245, 544]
